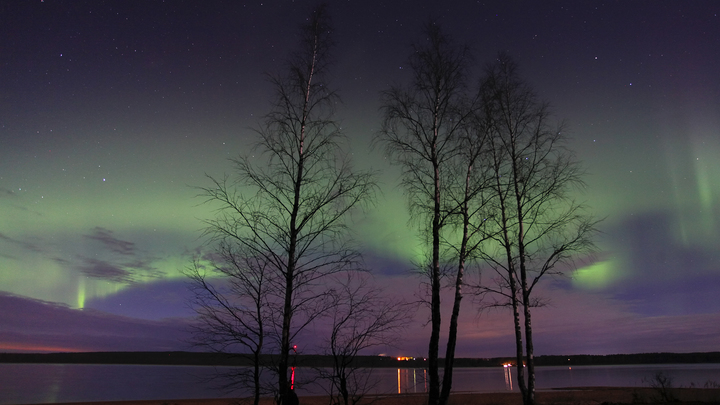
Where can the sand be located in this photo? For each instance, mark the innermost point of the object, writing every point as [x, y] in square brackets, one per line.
[579, 396]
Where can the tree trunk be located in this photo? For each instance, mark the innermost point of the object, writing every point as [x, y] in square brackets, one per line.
[283, 386]
[344, 391]
[529, 397]
[518, 340]
[290, 275]
[452, 334]
[452, 339]
[256, 378]
[258, 350]
[433, 348]
[513, 287]
[530, 400]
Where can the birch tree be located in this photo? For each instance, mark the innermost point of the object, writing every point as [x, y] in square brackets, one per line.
[287, 202]
[421, 129]
[538, 225]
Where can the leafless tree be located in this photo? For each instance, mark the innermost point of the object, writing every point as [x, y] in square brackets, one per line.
[288, 201]
[230, 290]
[421, 130]
[538, 226]
[361, 318]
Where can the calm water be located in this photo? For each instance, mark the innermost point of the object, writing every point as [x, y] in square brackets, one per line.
[45, 383]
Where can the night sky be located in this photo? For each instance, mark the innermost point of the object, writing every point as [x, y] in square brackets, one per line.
[112, 112]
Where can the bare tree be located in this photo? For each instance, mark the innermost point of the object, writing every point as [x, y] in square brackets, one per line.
[230, 290]
[288, 201]
[362, 318]
[539, 227]
[422, 124]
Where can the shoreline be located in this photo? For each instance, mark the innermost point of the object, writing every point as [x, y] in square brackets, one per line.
[555, 396]
[181, 358]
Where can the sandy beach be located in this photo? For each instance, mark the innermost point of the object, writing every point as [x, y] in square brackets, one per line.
[580, 396]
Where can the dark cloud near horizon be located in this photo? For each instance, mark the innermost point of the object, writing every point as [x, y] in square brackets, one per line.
[160, 299]
[29, 323]
[380, 264]
[660, 271]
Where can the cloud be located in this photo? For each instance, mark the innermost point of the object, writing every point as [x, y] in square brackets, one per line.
[155, 300]
[579, 322]
[574, 322]
[122, 272]
[654, 246]
[33, 247]
[118, 260]
[657, 272]
[101, 269]
[13, 199]
[387, 266]
[7, 193]
[33, 325]
[112, 243]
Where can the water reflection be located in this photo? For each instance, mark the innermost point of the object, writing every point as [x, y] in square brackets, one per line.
[55, 384]
[39, 383]
[411, 380]
[414, 380]
[508, 378]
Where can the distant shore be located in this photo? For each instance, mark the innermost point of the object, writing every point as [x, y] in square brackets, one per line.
[236, 359]
[568, 396]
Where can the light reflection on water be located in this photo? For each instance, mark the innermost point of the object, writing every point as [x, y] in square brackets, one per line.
[508, 378]
[411, 380]
[45, 383]
[54, 387]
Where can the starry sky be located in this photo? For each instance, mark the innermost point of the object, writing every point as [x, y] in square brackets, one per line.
[113, 112]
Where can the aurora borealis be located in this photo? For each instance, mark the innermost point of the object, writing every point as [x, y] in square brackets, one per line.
[111, 112]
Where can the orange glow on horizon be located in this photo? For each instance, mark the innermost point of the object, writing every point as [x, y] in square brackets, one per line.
[30, 348]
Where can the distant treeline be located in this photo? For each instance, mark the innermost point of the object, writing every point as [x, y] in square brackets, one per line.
[229, 359]
[639, 358]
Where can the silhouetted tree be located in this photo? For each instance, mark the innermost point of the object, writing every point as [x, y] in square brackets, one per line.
[361, 318]
[288, 201]
[421, 130]
[230, 290]
[538, 226]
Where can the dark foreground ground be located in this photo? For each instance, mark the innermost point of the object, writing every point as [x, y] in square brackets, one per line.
[580, 396]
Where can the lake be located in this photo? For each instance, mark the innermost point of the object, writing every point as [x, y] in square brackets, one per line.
[46, 383]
